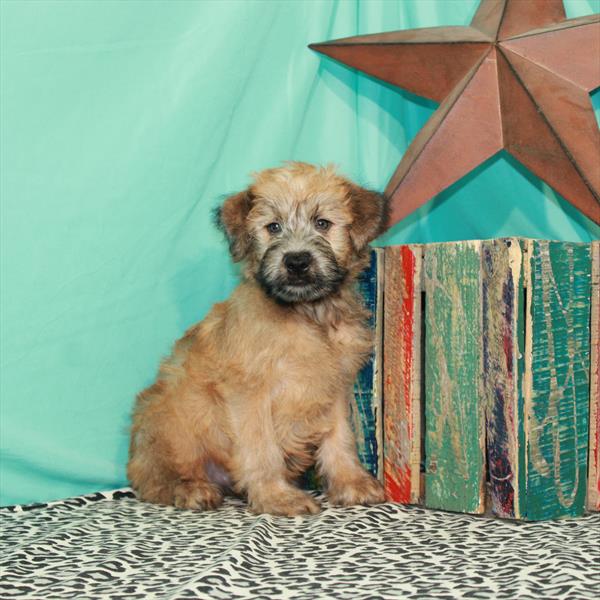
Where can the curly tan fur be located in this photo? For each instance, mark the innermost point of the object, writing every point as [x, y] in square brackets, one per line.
[259, 390]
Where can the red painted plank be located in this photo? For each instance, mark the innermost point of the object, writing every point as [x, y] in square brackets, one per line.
[402, 384]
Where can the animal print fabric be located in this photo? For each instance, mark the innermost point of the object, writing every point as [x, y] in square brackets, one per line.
[109, 545]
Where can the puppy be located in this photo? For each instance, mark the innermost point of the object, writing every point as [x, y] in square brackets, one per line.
[259, 391]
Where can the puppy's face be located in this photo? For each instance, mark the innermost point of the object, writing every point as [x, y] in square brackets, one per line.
[300, 229]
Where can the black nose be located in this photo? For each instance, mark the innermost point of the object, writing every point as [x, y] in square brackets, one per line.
[297, 263]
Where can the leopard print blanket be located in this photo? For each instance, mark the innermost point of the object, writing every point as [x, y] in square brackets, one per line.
[109, 545]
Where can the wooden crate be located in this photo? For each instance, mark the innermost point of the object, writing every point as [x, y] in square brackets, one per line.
[506, 376]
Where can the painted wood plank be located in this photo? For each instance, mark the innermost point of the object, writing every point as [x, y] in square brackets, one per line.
[503, 339]
[454, 444]
[593, 494]
[366, 408]
[556, 382]
[402, 374]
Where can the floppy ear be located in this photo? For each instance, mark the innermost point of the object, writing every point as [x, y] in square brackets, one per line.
[370, 215]
[231, 219]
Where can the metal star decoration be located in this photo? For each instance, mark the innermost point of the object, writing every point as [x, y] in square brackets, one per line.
[518, 78]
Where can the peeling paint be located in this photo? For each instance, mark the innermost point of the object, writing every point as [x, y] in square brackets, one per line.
[501, 283]
[557, 396]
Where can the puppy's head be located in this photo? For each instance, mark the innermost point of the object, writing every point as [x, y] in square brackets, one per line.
[301, 230]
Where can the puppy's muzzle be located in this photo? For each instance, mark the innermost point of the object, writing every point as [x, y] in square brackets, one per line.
[297, 264]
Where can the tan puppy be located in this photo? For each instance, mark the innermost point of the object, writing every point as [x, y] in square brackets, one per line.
[259, 391]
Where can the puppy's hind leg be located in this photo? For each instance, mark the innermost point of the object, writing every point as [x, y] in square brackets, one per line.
[169, 459]
[181, 480]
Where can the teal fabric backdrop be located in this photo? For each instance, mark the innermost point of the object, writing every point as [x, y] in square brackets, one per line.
[122, 124]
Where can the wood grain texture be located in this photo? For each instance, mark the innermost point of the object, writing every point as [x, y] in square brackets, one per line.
[503, 340]
[454, 444]
[556, 382]
[402, 373]
[366, 408]
[593, 493]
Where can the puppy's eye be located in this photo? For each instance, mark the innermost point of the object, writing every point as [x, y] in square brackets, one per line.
[322, 224]
[273, 228]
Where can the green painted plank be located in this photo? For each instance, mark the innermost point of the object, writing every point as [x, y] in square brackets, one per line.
[366, 405]
[556, 383]
[453, 414]
[593, 495]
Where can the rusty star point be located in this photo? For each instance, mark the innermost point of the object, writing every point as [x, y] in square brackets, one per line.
[517, 78]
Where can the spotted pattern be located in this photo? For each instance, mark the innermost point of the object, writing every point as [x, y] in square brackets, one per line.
[109, 545]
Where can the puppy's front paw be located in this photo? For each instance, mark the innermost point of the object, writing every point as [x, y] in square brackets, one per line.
[362, 489]
[197, 494]
[283, 500]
